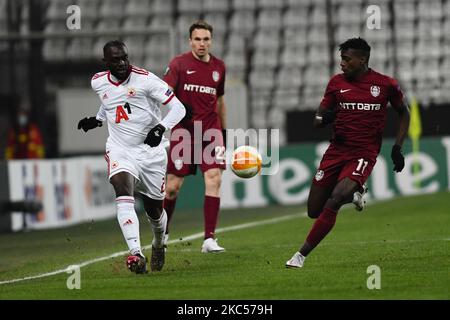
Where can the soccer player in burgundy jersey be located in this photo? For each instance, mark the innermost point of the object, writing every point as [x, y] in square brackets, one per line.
[355, 101]
[198, 80]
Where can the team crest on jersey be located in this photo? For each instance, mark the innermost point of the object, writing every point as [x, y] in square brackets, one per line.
[114, 164]
[105, 96]
[375, 91]
[215, 76]
[319, 175]
[131, 92]
[178, 164]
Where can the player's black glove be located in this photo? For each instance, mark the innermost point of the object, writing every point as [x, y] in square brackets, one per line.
[188, 115]
[89, 123]
[328, 116]
[224, 134]
[155, 135]
[397, 158]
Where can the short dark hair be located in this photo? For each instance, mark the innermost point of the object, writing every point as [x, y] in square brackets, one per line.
[356, 44]
[113, 43]
[200, 24]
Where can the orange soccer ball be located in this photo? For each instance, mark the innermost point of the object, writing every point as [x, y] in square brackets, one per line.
[246, 162]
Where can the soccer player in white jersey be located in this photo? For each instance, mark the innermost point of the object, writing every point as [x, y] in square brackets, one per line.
[130, 101]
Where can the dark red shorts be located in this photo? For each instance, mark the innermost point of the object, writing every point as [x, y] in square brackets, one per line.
[183, 158]
[338, 164]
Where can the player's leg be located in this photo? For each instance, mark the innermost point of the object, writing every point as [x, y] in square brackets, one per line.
[211, 206]
[173, 187]
[318, 195]
[123, 183]
[323, 225]
[158, 221]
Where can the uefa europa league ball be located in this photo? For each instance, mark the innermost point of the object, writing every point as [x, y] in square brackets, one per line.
[246, 162]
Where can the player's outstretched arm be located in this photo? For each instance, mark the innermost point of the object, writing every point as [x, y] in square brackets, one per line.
[89, 123]
[323, 117]
[396, 153]
[176, 113]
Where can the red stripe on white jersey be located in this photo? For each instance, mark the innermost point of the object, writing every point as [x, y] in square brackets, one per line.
[168, 100]
[99, 75]
[139, 70]
[107, 161]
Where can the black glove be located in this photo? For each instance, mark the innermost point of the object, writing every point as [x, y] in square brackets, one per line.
[224, 134]
[328, 116]
[397, 158]
[89, 123]
[155, 135]
[188, 115]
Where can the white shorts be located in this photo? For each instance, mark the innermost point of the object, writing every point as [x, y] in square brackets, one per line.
[148, 165]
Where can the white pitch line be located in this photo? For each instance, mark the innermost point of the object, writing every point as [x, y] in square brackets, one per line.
[187, 238]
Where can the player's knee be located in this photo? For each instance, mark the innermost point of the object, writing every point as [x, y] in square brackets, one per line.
[313, 214]
[213, 179]
[153, 212]
[172, 190]
[122, 190]
[335, 201]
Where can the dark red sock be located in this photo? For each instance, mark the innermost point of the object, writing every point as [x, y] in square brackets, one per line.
[169, 206]
[321, 227]
[211, 213]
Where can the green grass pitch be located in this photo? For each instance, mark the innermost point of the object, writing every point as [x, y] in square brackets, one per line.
[407, 238]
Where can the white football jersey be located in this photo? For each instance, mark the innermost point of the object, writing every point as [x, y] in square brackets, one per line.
[131, 107]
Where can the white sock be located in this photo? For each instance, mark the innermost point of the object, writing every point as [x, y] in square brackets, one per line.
[159, 229]
[129, 223]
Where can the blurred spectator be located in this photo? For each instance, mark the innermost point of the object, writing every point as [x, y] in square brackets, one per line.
[24, 139]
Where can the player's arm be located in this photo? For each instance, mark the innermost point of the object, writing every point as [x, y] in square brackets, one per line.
[93, 122]
[396, 153]
[323, 117]
[176, 113]
[325, 114]
[398, 102]
[403, 113]
[161, 92]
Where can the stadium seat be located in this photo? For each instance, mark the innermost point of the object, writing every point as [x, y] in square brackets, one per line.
[137, 8]
[219, 22]
[263, 58]
[405, 10]
[270, 4]
[295, 17]
[215, 6]
[269, 19]
[161, 22]
[239, 5]
[242, 22]
[318, 54]
[262, 79]
[269, 39]
[289, 78]
[163, 7]
[190, 6]
[131, 23]
[298, 3]
[293, 56]
[111, 9]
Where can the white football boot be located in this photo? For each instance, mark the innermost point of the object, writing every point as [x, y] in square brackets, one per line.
[296, 261]
[210, 245]
[358, 199]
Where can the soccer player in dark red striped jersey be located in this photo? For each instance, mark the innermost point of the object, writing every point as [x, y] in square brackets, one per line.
[355, 102]
[198, 80]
